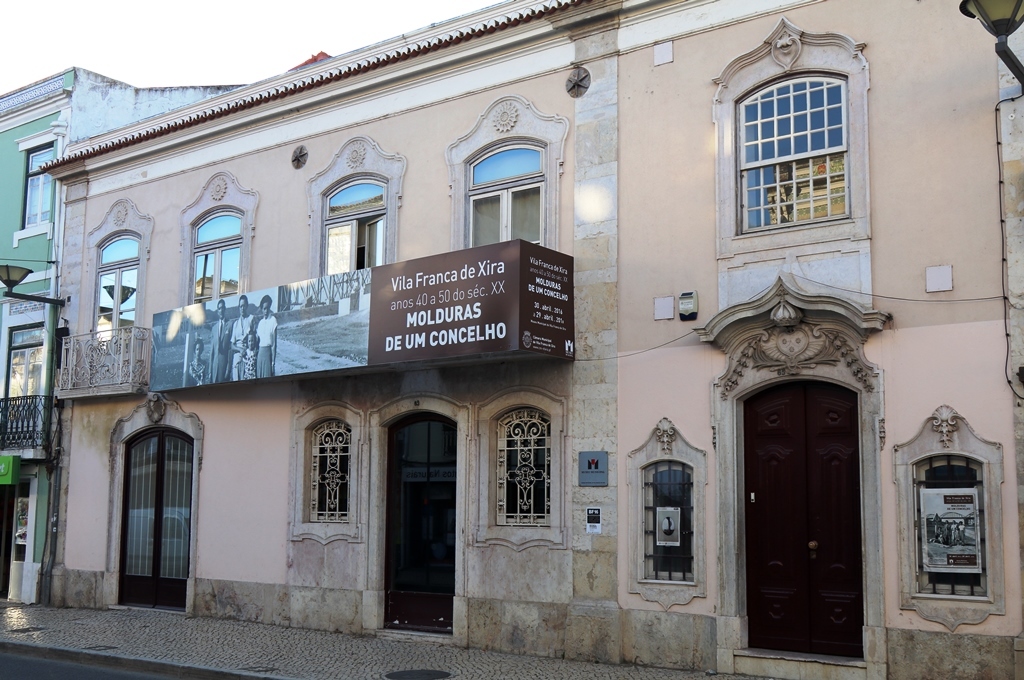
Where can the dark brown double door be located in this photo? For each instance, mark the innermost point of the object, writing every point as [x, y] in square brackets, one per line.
[421, 535]
[803, 532]
[157, 522]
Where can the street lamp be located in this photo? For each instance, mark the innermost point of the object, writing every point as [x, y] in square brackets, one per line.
[1000, 18]
[12, 275]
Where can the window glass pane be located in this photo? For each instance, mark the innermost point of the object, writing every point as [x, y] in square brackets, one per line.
[370, 252]
[204, 277]
[39, 158]
[229, 272]
[31, 336]
[506, 164]
[129, 284]
[16, 373]
[356, 198]
[121, 249]
[108, 288]
[141, 515]
[32, 203]
[526, 214]
[219, 227]
[486, 220]
[339, 249]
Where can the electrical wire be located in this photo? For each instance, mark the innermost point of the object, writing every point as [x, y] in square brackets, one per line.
[1004, 278]
[901, 299]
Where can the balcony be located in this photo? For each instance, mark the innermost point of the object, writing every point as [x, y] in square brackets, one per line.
[24, 422]
[105, 362]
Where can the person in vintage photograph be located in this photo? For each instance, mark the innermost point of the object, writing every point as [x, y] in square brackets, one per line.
[266, 331]
[247, 361]
[221, 352]
[244, 325]
[197, 367]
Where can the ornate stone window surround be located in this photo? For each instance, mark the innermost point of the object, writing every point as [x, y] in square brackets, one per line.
[359, 159]
[749, 334]
[508, 122]
[303, 425]
[789, 52]
[123, 219]
[519, 537]
[154, 413]
[946, 432]
[221, 194]
[666, 444]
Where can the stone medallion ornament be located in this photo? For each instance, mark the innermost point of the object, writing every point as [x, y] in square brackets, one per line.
[299, 157]
[578, 82]
[356, 156]
[120, 214]
[219, 189]
[505, 117]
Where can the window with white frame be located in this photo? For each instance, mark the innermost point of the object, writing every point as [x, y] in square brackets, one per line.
[39, 189]
[668, 521]
[355, 228]
[506, 195]
[329, 466]
[217, 249]
[793, 142]
[950, 497]
[524, 468]
[117, 296]
[25, 361]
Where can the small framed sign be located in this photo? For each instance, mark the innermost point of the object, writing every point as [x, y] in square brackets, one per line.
[593, 520]
[593, 468]
[667, 532]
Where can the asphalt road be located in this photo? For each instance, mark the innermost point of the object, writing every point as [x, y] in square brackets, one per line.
[15, 667]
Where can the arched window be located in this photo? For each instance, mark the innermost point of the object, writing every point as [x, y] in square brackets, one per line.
[117, 295]
[668, 521]
[355, 228]
[793, 142]
[524, 468]
[217, 248]
[507, 192]
[329, 472]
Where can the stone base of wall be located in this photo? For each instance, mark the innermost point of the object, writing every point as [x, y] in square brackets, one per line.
[917, 655]
[670, 640]
[337, 611]
[77, 588]
[535, 628]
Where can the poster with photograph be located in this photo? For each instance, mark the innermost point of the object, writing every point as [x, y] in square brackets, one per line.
[668, 526]
[949, 530]
[306, 327]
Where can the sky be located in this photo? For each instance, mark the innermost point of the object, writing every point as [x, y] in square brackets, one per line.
[197, 42]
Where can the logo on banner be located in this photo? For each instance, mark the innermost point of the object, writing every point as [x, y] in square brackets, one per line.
[527, 339]
[569, 348]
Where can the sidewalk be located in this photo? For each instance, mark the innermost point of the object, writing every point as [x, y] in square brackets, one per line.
[171, 643]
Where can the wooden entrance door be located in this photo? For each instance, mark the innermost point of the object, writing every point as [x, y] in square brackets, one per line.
[421, 543]
[156, 528]
[803, 533]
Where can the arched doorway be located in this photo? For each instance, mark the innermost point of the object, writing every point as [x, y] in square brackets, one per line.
[420, 550]
[803, 519]
[156, 527]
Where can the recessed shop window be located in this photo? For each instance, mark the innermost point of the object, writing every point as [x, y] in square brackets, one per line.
[666, 478]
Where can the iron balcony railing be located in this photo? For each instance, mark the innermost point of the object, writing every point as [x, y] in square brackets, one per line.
[24, 422]
[105, 362]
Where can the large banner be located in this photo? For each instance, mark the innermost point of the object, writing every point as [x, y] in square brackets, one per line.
[507, 297]
[949, 530]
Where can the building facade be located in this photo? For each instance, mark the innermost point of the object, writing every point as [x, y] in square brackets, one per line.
[37, 123]
[787, 348]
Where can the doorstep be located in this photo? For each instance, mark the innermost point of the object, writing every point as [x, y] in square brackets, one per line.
[797, 666]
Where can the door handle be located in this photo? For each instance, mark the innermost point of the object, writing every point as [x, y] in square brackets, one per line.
[813, 545]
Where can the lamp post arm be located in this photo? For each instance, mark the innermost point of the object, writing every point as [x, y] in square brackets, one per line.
[34, 298]
[1010, 59]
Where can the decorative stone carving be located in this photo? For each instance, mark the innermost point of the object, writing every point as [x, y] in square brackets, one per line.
[356, 156]
[299, 157]
[218, 189]
[665, 432]
[578, 82]
[881, 433]
[786, 47]
[944, 421]
[120, 213]
[505, 117]
[942, 433]
[666, 443]
[156, 407]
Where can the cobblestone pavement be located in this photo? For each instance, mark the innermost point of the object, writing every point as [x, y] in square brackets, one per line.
[203, 647]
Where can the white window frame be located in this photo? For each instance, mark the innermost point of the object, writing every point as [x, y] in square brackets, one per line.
[508, 122]
[359, 160]
[353, 528]
[504, 188]
[217, 249]
[117, 268]
[947, 432]
[489, 529]
[221, 194]
[46, 182]
[122, 220]
[750, 261]
[667, 444]
[358, 222]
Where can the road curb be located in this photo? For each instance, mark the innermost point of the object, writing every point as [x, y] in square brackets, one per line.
[129, 663]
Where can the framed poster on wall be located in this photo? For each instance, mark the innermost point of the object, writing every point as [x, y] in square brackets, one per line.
[949, 530]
